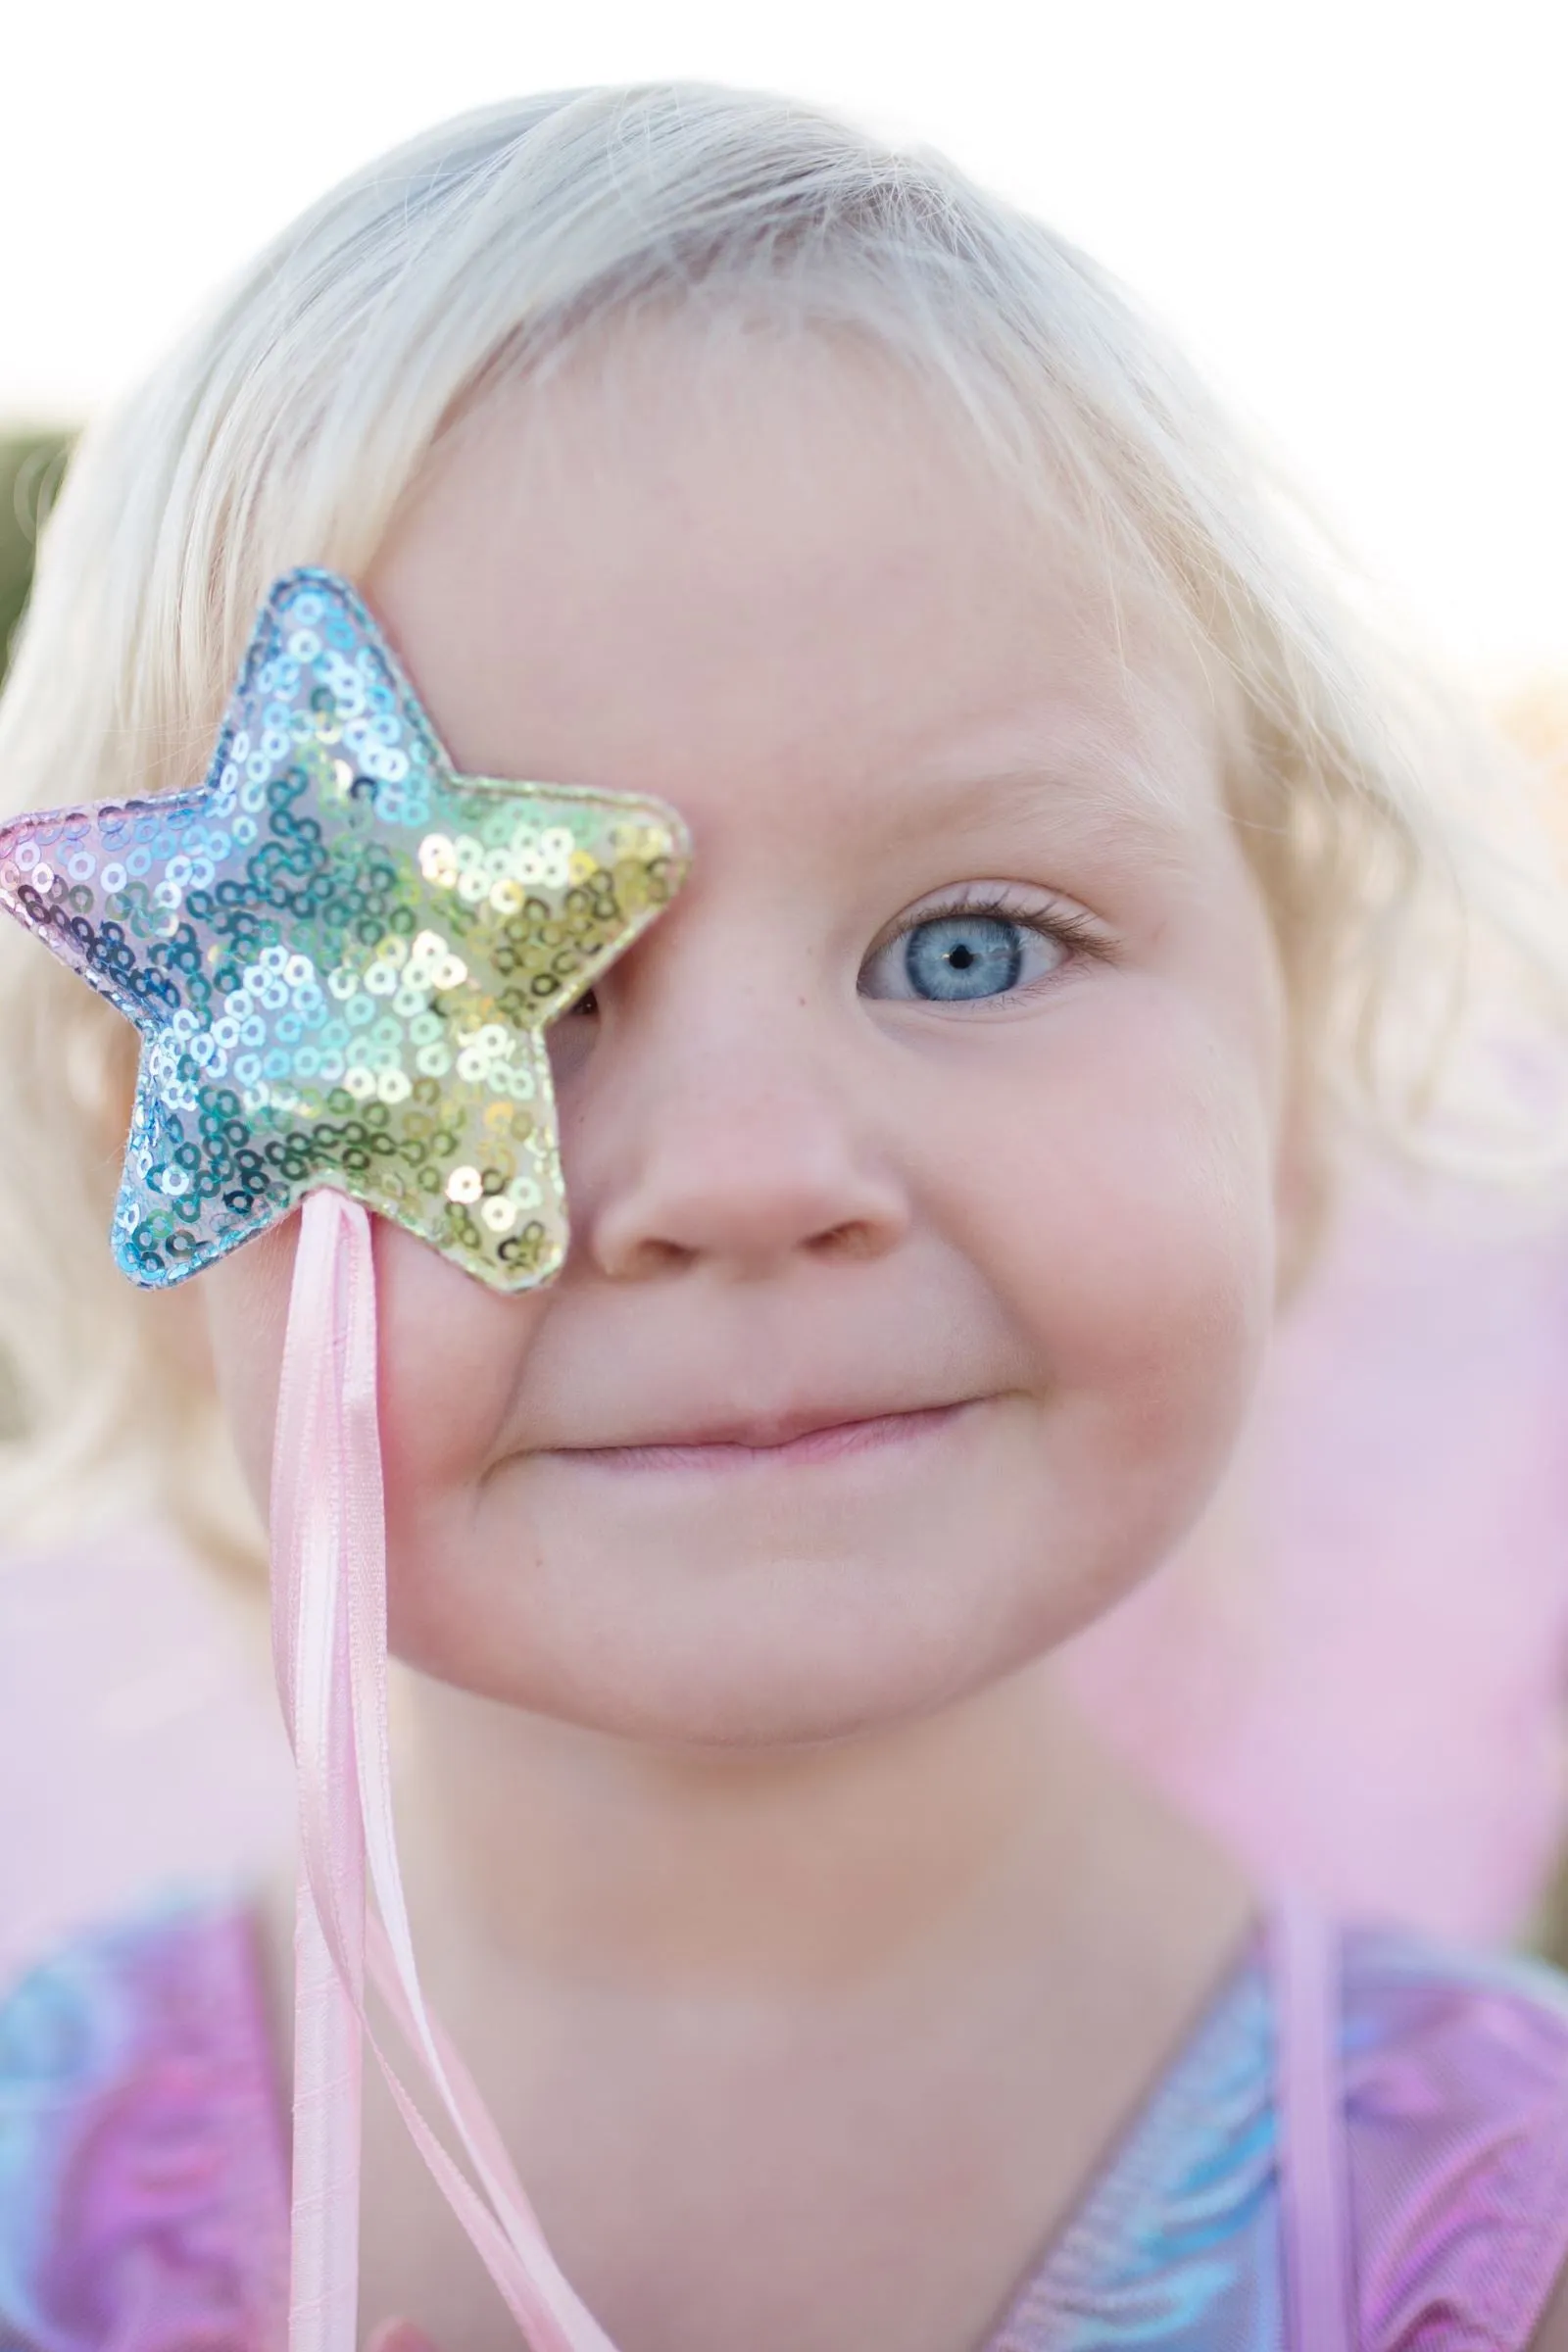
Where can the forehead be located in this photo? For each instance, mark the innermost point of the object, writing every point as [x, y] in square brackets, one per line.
[773, 560]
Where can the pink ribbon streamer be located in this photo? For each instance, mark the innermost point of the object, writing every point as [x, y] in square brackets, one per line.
[1314, 2191]
[330, 1655]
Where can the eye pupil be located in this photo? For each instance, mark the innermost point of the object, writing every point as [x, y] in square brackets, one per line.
[954, 959]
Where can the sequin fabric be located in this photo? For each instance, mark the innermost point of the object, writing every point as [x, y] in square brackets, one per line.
[142, 2152]
[142, 2186]
[341, 957]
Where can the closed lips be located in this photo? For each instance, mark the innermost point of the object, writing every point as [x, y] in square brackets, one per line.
[739, 1444]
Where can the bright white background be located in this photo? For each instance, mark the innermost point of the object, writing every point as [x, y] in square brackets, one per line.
[1357, 215]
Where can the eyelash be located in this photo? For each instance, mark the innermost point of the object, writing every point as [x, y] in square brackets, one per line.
[1077, 933]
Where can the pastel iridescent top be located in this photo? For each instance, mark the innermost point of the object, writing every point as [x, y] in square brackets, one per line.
[143, 2206]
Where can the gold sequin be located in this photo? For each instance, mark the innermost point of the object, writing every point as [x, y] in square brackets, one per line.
[342, 958]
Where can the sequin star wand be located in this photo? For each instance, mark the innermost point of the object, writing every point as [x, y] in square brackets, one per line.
[341, 957]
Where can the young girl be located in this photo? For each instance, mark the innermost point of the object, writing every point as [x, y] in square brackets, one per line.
[1063, 860]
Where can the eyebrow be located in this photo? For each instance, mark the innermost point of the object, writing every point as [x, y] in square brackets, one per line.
[1120, 803]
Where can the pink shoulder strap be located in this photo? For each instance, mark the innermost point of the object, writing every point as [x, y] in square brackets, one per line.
[1314, 2191]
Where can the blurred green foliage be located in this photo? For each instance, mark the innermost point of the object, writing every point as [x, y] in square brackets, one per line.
[30, 468]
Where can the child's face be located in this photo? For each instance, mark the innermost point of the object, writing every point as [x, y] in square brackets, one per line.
[923, 1250]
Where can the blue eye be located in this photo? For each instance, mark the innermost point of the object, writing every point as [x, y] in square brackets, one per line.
[956, 957]
[961, 955]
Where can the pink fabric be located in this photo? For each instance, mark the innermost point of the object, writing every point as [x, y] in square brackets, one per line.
[142, 2205]
[1455, 2088]
[1452, 2112]
[1357, 1672]
[141, 1745]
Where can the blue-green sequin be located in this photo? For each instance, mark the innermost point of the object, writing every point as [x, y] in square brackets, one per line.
[341, 957]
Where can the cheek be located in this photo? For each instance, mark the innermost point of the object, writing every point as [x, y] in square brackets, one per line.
[1130, 1229]
[451, 1355]
[245, 1297]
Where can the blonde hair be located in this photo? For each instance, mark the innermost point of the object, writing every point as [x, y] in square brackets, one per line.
[291, 426]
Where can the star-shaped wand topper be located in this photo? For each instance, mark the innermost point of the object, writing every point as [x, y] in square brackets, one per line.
[341, 957]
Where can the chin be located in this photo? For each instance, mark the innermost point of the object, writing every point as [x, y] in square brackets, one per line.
[780, 1653]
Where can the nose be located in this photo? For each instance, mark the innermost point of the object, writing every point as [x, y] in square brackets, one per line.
[734, 1143]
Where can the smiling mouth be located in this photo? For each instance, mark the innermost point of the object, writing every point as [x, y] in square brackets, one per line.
[743, 1449]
